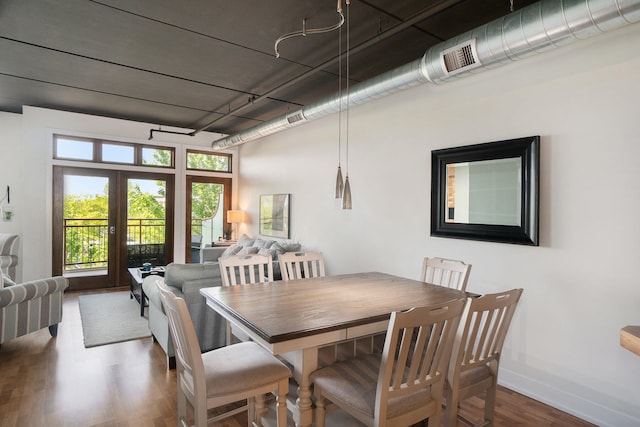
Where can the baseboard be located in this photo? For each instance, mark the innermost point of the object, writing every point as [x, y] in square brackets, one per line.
[588, 410]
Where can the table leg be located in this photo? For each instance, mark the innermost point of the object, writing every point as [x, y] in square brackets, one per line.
[142, 299]
[304, 363]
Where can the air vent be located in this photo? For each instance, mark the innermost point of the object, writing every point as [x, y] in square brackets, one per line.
[295, 117]
[461, 57]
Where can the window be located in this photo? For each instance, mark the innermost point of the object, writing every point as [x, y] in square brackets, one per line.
[157, 157]
[72, 149]
[99, 151]
[118, 153]
[207, 161]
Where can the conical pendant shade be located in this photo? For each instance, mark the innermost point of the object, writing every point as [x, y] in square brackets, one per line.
[346, 198]
[339, 184]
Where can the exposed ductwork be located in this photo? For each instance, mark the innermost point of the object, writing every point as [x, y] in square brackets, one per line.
[531, 30]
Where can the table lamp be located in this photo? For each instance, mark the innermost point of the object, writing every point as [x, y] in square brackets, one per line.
[235, 217]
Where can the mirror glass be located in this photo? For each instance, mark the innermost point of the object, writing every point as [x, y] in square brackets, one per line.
[485, 192]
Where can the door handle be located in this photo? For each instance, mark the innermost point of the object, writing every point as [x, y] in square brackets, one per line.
[112, 230]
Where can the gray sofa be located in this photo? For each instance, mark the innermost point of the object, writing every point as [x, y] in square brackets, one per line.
[186, 280]
[247, 246]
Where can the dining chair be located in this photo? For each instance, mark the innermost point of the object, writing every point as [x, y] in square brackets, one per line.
[245, 269]
[475, 357]
[301, 265]
[221, 376]
[450, 273]
[402, 385]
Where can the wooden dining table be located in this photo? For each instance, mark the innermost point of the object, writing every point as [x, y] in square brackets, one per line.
[295, 318]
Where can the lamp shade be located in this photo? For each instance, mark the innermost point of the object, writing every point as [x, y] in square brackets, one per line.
[235, 217]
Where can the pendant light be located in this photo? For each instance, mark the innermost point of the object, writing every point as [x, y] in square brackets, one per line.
[346, 196]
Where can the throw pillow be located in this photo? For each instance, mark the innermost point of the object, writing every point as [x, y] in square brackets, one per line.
[245, 240]
[282, 247]
[248, 250]
[231, 250]
[270, 252]
[261, 243]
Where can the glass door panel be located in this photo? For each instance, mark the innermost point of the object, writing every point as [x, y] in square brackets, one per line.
[148, 215]
[84, 227]
[208, 200]
[146, 220]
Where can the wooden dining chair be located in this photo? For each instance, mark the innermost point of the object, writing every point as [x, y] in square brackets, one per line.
[301, 265]
[404, 384]
[450, 273]
[221, 376]
[475, 358]
[245, 269]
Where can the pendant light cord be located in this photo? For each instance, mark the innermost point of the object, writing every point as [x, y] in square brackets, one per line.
[347, 85]
[340, 95]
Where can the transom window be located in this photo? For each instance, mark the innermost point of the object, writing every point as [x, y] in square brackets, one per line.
[99, 151]
[207, 161]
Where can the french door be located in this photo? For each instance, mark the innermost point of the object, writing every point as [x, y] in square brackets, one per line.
[105, 221]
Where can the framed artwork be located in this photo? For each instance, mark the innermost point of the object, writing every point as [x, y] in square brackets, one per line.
[274, 215]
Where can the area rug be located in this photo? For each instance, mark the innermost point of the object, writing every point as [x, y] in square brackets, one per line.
[111, 317]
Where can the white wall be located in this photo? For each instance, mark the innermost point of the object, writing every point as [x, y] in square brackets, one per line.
[26, 165]
[11, 171]
[579, 286]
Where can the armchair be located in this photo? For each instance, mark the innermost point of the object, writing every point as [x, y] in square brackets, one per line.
[8, 254]
[29, 306]
[185, 281]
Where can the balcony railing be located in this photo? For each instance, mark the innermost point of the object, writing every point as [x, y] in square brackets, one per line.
[87, 241]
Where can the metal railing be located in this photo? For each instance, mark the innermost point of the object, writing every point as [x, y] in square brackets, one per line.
[86, 242]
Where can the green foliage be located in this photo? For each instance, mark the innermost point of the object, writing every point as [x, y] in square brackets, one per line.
[86, 217]
[204, 199]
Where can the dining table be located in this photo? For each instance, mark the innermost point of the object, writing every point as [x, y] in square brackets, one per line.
[295, 318]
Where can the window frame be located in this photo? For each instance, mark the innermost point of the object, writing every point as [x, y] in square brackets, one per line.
[209, 153]
[97, 151]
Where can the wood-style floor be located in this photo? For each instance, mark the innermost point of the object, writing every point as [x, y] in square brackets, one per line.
[58, 382]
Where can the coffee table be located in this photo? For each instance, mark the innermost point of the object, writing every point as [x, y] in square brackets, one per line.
[136, 290]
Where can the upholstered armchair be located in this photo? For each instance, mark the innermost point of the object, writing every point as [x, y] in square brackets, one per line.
[30, 306]
[186, 280]
[8, 254]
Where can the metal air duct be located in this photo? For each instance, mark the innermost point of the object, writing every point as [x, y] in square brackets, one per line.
[531, 30]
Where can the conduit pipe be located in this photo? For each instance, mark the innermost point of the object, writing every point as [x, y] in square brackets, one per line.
[534, 29]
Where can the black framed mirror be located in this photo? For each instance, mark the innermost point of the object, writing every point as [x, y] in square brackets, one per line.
[487, 191]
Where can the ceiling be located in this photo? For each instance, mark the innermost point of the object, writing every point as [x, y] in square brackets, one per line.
[209, 64]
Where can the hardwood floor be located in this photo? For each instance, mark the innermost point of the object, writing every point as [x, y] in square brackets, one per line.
[59, 382]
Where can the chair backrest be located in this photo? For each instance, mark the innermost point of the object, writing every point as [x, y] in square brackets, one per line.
[482, 331]
[416, 352]
[450, 273]
[190, 368]
[301, 265]
[245, 269]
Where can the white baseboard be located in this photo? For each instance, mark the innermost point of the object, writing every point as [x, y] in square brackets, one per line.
[579, 406]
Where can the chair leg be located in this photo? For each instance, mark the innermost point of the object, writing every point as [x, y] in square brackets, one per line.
[53, 330]
[490, 403]
[281, 404]
[451, 409]
[259, 409]
[320, 408]
[182, 405]
[251, 409]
